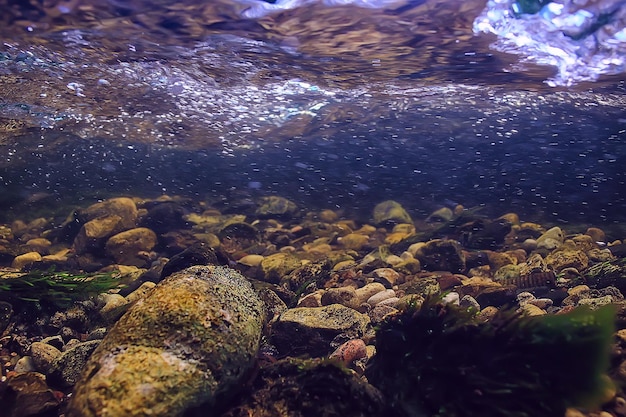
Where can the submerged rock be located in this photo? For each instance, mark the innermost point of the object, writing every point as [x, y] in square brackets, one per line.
[122, 207]
[188, 342]
[126, 247]
[93, 234]
[442, 255]
[276, 207]
[299, 388]
[67, 367]
[311, 330]
[278, 265]
[390, 212]
[25, 259]
[28, 394]
[551, 239]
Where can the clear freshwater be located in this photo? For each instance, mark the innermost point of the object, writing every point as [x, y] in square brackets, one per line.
[514, 106]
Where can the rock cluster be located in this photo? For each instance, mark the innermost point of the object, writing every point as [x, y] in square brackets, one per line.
[175, 336]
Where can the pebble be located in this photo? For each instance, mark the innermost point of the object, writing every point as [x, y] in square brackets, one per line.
[26, 259]
[379, 313]
[551, 239]
[140, 292]
[387, 276]
[126, 247]
[451, 298]
[364, 293]
[350, 351]
[392, 302]
[39, 245]
[381, 296]
[596, 234]
[311, 330]
[342, 295]
[390, 212]
[25, 364]
[311, 300]
[67, 367]
[531, 310]
[251, 260]
[542, 303]
[469, 302]
[114, 305]
[354, 241]
[328, 216]
[43, 356]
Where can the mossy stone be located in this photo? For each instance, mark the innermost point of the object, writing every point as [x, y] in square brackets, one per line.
[190, 340]
[278, 265]
[390, 212]
[276, 207]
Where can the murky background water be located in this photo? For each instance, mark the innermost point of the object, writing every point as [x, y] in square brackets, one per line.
[331, 105]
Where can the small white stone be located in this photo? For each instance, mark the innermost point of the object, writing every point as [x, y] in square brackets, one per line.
[451, 298]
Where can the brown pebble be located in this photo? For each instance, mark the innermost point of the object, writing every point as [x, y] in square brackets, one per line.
[448, 280]
[596, 234]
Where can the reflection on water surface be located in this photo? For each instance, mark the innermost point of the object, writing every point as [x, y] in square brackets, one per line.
[346, 105]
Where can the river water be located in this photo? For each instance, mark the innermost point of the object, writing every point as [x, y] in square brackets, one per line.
[332, 104]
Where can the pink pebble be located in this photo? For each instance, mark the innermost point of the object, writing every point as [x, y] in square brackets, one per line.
[350, 351]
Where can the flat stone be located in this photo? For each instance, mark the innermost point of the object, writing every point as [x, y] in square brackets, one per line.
[387, 276]
[31, 395]
[310, 330]
[364, 293]
[342, 295]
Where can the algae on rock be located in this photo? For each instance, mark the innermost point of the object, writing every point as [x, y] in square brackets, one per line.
[438, 360]
[188, 342]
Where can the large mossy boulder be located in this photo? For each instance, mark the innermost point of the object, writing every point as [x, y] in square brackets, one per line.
[189, 342]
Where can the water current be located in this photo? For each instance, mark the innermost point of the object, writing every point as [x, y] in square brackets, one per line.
[515, 106]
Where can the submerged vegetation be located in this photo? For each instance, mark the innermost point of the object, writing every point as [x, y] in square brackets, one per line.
[440, 360]
[53, 288]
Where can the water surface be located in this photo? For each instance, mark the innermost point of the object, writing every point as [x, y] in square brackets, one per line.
[333, 106]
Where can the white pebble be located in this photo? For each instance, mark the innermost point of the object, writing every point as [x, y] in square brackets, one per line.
[452, 298]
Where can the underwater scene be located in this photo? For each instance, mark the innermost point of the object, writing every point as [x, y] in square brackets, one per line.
[248, 208]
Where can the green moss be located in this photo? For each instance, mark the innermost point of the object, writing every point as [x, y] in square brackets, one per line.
[52, 288]
[438, 360]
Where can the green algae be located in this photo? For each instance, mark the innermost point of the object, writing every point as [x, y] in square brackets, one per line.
[54, 288]
[439, 360]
